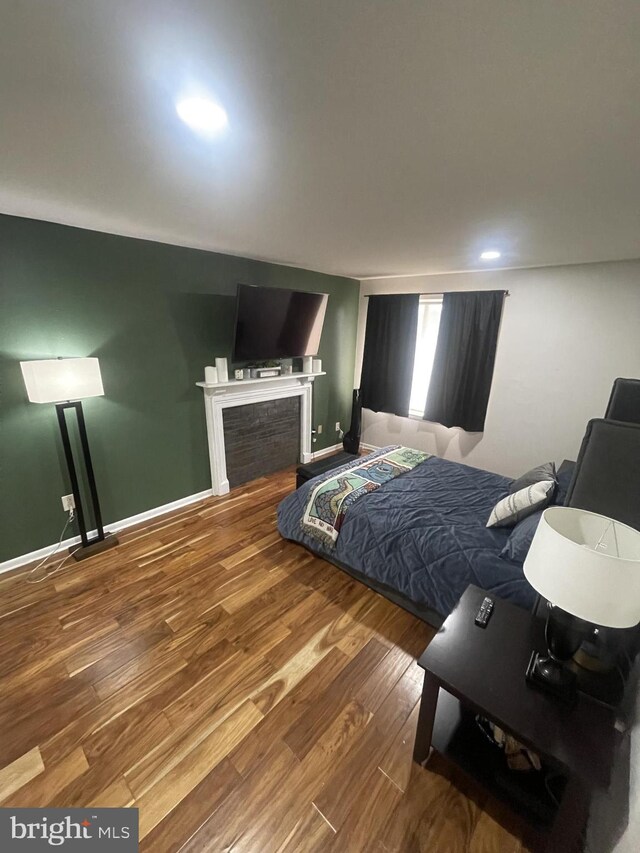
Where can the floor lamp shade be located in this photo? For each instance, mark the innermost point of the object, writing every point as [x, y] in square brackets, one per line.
[54, 380]
[588, 565]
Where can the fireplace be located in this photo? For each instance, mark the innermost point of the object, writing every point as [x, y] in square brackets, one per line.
[222, 396]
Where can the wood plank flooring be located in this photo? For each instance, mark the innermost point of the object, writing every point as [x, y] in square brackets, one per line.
[244, 695]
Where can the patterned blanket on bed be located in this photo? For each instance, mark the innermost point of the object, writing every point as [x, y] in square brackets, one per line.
[330, 499]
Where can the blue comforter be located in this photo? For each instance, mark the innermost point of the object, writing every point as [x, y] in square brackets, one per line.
[422, 534]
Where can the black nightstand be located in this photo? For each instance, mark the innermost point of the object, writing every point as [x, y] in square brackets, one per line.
[482, 671]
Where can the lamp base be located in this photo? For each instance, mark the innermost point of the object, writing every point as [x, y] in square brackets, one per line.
[95, 546]
[549, 675]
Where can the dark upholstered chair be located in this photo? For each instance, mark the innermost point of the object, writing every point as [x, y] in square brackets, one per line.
[606, 480]
[607, 474]
[624, 402]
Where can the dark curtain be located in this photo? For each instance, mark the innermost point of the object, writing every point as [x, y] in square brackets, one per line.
[464, 359]
[389, 352]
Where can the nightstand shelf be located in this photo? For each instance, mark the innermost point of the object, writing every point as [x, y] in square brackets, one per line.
[456, 736]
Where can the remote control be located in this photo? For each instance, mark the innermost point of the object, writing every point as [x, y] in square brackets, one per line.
[484, 614]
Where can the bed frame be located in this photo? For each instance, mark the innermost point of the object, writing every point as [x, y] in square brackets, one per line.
[605, 480]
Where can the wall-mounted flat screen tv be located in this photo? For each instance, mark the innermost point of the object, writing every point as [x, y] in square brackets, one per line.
[272, 322]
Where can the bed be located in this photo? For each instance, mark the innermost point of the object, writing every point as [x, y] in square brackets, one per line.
[421, 538]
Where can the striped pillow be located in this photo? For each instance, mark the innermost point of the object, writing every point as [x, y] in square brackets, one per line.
[519, 505]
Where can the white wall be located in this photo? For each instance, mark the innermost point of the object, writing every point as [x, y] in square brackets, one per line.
[567, 333]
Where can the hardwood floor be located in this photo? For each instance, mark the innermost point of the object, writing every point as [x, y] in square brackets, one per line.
[244, 695]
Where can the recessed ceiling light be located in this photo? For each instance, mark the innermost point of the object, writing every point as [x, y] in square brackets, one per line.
[202, 115]
[490, 255]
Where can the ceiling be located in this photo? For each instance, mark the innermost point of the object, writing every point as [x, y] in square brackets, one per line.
[365, 137]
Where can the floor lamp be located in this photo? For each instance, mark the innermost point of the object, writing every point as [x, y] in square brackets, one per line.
[66, 382]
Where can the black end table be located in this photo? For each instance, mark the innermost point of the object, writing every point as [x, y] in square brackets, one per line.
[321, 466]
[470, 670]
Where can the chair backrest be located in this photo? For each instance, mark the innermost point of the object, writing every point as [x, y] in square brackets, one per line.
[624, 402]
[607, 474]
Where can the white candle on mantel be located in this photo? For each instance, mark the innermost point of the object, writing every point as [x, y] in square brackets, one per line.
[211, 375]
[223, 371]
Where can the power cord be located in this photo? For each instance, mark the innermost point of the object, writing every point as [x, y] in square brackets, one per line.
[31, 576]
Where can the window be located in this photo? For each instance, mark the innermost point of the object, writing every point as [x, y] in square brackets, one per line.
[429, 312]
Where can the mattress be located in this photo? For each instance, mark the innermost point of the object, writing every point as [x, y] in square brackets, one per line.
[422, 535]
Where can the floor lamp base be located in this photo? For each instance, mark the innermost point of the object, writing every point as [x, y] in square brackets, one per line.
[95, 546]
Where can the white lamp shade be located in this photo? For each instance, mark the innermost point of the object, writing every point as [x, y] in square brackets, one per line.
[54, 380]
[588, 565]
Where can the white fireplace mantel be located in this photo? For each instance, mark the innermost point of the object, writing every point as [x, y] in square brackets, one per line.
[241, 392]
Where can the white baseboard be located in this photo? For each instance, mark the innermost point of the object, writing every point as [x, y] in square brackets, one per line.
[113, 527]
[326, 451]
[147, 515]
[320, 453]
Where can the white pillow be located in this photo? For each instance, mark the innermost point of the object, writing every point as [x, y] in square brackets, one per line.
[519, 505]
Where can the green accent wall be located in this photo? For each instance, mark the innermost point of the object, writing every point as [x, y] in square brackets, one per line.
[154, 315]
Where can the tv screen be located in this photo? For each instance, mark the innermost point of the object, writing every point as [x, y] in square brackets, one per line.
[272, 322]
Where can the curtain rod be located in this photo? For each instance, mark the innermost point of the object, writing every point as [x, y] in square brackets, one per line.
[435, 293]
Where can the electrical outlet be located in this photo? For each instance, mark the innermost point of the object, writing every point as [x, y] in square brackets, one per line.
[338, 427]
[319, 430]
[68, 503]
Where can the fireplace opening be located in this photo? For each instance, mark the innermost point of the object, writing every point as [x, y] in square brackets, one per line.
[261, 438]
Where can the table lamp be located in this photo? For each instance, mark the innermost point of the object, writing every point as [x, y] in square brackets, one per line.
[587, 566]
[65, 382]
